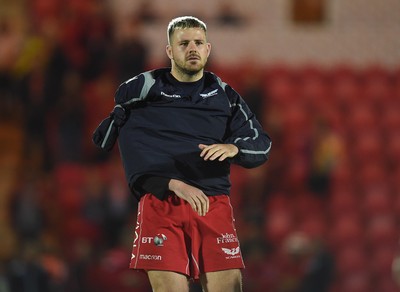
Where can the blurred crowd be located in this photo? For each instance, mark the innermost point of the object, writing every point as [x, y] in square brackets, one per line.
[321, 215]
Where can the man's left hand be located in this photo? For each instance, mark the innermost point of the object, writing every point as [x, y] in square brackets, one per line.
[218, 151]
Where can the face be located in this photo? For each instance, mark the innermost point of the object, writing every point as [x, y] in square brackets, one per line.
[188, 52]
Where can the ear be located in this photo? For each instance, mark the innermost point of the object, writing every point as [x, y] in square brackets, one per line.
[208, 49]
[168, 50]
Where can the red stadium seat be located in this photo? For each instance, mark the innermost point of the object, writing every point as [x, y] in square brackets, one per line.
[281, 85]
[387, 284]
[351, 259]
[346, 230]
[69, 174]
[345, 85]
[377, 85]
[382, 230]
[277, 226]
[381, 259]
[343, 201]
[377, 201]
[356, 282]
[368, 147]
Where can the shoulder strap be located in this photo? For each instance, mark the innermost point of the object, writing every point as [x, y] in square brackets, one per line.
[221, 83]
[217, 79]
[149, 81]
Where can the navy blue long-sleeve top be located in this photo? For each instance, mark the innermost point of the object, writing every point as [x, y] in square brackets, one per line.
[165, 120]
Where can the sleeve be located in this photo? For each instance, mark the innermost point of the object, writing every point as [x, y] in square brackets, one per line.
[127, 95]
[245, 132]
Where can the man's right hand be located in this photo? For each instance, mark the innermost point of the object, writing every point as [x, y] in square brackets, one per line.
[194, 196]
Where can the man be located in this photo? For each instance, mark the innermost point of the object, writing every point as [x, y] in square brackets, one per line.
[179, 129]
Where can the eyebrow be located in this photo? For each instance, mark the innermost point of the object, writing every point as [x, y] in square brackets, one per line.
[196, 40]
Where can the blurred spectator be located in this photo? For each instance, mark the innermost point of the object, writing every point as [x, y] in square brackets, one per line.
[396, 269]
[252, 90]
[25, 272]
[4, 282]
[81, 256]
[11, 39]
[97, 96]
[119, 203]
[68, 121]
[327, 152]
[130, 52]
[255, 193]
[228, 16]
[98, 34]
[314, 260]
[94, 200]
[146, 13]
[54, 74]
[107, 206]
[27, 209]
[108, 271]
[36, 109]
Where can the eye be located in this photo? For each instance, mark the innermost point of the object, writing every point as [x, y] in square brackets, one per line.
[199, 43]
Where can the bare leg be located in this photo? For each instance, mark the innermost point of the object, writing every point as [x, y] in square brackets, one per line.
[222, 281]
[166, 281]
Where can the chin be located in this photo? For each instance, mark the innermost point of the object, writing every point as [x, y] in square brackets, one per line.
[193, 71]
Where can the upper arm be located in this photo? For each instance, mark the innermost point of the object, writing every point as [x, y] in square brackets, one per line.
[134, 90]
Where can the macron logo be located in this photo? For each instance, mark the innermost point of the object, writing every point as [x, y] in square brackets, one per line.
[211, 93]
[171, 95]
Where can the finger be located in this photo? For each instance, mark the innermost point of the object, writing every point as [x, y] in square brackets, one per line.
[211, 152]
[205, 204]
[201, 205]
[216, 154]
[207, 207]
[193, 204]
[205, 150]
[202, 210]
[223, 157]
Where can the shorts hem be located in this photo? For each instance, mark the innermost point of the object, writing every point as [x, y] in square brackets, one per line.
[145, 269]
[223, 269]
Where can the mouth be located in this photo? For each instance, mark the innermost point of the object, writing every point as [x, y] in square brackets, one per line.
[193, 58]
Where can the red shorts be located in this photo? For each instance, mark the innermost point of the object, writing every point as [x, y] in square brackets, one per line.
[170, 236]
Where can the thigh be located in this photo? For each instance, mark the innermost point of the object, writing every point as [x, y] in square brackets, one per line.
[165, 281]
[215, 243]
[159, 242]
[221, 281]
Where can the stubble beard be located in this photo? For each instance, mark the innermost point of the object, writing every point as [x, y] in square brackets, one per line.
[189, 70]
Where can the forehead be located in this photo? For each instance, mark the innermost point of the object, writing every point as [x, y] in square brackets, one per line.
[192, 33]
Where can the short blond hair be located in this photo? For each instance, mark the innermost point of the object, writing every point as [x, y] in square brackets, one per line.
[184, 22]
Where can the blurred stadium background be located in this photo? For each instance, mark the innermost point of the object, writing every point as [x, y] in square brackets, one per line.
[323, 76]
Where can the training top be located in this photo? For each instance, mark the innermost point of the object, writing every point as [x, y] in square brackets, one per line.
[159, 123]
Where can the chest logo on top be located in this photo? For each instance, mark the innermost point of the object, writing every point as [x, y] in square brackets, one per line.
[209, 94]
[170, 95]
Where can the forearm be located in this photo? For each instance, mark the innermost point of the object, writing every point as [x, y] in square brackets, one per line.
[252, 153]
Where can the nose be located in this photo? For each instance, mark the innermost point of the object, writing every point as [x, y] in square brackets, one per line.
[192, 47]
